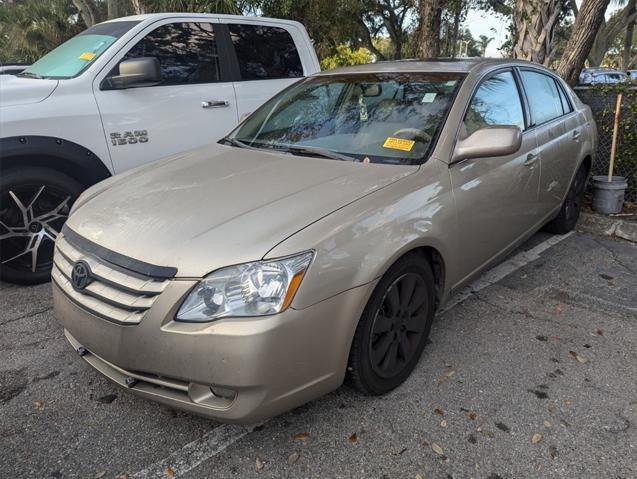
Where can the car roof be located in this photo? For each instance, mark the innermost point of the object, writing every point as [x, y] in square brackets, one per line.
[442, 65]
[159, 16]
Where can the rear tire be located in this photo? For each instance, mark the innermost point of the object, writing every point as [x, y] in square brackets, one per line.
[567, 218]
[394, 327]
[34, 204]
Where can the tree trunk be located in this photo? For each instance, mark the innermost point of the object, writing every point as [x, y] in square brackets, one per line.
[87, 11]
[112, 9]
[631, 8]
[430, 13]
[456, 25]
[535, 22]
[590, 17]
[138, 7]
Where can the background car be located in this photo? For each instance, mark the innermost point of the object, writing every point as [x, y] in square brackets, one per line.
[593, 76]
[243, 279]
[121, 94]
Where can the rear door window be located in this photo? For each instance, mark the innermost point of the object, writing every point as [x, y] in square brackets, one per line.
[543, 95]
[495, 103]
[265, 52]
[187, 53]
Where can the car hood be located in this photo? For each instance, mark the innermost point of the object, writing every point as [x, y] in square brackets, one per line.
[220, 205]
[22, 91]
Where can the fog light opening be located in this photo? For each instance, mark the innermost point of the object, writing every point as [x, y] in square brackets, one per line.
[223, 392]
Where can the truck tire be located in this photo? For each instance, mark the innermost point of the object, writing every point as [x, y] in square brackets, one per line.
[34, 204]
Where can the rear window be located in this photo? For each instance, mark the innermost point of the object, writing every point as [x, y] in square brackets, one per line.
[543, 95]
[265, 52]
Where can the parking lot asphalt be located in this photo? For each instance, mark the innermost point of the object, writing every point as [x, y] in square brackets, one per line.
[533, 374]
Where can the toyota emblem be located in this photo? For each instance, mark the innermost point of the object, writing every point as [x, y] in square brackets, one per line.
[81, 275]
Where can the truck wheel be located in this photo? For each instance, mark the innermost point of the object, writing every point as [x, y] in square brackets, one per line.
[34, 204]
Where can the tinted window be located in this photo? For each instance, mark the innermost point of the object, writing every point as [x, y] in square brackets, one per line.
[566, 106]
[187, 52]
[497, 102]
[265, 52]
[544, 98]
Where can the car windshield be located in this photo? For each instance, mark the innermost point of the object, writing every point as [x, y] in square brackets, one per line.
[380, 118]
[73, 56]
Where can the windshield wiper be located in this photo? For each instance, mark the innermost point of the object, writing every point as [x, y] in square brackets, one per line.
[317, 151]
[30, 75]
[238, 143]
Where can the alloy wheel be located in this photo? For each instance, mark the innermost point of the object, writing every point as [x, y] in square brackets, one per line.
[398, 325]
[31, 217]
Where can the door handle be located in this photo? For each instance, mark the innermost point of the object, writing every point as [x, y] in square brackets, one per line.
[576, 135]
[214, 104]
[531, 159]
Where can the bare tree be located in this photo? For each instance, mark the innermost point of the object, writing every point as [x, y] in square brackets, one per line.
[88, 11]
[430, 13]
[535, 22]
[589, 18]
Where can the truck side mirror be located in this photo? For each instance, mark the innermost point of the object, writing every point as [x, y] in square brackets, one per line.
[135, 73]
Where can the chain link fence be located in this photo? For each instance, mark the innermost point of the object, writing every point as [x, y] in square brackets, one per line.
[602, 100]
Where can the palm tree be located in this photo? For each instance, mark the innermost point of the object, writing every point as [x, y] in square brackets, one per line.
[483, 42]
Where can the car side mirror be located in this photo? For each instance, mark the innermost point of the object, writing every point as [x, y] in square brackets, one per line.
[135, 73]
[488, 141]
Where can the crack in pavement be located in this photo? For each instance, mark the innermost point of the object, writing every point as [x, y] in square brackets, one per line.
[28, 315]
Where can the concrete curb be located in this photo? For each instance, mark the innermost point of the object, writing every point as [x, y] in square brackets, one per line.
[607, 225]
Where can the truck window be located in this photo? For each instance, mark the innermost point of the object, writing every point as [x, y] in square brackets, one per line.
[265, 52]
[187, 53]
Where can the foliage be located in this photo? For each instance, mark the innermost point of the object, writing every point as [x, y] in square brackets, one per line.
[30, 27]
[345, 56]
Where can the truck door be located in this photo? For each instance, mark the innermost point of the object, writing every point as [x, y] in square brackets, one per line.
[193, 105]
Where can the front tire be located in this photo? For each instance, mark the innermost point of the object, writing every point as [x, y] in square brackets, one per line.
[34, 204]
[567, 218]
[394, 327]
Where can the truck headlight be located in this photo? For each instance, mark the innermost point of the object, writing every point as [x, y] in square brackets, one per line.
[251, 289]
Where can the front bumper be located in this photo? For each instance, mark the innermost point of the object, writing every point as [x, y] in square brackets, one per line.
[272, 364]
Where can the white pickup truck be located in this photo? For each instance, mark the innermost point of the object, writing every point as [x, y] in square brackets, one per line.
[123, 93]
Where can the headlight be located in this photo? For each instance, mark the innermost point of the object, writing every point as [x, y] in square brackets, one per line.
[251, 289]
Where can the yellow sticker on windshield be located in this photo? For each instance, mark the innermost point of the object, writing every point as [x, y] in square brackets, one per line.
[399, 144]
[88, 56]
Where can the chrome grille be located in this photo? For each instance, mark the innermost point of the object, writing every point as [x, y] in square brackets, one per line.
[114, 293]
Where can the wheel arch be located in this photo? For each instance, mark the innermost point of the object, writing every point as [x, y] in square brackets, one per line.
[58, 154]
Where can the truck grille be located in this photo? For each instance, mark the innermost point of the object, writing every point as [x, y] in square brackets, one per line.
[113, 293]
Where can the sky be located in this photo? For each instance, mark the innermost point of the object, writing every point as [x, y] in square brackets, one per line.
[492, 25]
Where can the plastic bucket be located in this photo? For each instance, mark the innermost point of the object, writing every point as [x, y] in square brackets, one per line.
[608, 197]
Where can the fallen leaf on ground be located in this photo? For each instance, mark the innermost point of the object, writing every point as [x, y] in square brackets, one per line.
[259, 464]
[418, 476]
[439, 412]
[472, 415]
[99, 475]
[123, 475]
[558, 308]
[38, 404]
[170, 472]
[425, 444]
[580, 359]
[292, 458]
[568, 402]
[537, 437]
[600, 332]
[443, 423]
[437, 449]
[450, 373]
[302, 436]
[553, 452]
[547, 424]
[353, 438]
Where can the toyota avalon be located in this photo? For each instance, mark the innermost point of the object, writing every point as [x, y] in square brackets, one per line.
[317, 240]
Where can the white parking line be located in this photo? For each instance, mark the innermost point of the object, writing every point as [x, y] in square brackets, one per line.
[216, 441]
[194, 453]
[502, 270]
